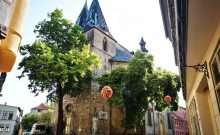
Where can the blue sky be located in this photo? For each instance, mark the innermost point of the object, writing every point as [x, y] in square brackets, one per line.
[127, 20]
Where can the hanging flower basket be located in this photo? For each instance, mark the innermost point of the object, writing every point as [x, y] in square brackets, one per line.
[151, 110]
[167, 99]
[106, 92]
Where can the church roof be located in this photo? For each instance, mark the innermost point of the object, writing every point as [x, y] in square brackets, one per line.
[41, 107]
[81, 20]
[122, 56]
[92, 18]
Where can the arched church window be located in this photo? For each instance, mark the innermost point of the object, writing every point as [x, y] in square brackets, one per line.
[69, 108]
[105, 44]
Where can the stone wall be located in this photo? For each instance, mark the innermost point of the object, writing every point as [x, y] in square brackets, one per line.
[83, 111]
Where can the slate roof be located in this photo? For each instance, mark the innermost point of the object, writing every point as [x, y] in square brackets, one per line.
[81, 20]
[122, 56]
[92, 18]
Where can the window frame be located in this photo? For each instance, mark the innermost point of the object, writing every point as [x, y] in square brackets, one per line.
[9, 114]
[2, 127]
[149, 119]
[216, 56]
[7, 127]
[194, 119]
[5, 115]
[105, 44]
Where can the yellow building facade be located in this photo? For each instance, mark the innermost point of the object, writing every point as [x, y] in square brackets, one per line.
[193, 27]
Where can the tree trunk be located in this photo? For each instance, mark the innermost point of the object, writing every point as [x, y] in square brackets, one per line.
[60, 123]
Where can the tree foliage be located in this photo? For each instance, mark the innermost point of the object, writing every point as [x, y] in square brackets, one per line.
[58, 61]
[140, 85]
[28, 121]
[45, 117]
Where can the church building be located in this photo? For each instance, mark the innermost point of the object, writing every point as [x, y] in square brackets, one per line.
[89, 113]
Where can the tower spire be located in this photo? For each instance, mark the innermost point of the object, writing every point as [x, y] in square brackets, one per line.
[81, 20]
[93, 17]
[142, 44]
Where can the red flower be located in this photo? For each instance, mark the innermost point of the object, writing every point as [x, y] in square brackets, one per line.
[106, 92]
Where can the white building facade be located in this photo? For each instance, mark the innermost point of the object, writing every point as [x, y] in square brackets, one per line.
[158, 123]
[10, 117]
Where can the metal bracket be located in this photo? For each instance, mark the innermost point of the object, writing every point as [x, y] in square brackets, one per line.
[201, 68]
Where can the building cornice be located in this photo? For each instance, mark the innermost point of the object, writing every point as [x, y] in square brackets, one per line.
[177, 12]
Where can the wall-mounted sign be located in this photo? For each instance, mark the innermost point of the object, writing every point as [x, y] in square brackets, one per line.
[103, 115]
[6, 8]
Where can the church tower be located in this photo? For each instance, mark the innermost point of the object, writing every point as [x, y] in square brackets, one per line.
[142, 45]
[99, 37]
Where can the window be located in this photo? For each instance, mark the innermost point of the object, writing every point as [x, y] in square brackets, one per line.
[7, 127]
[168, 121]
[105, 68]
[10, 116]
[215, 71]
[2, 126]
[105, 44]
[149, 119]
[69, 108]
[194, 118]
[4, 115]
[40, 127]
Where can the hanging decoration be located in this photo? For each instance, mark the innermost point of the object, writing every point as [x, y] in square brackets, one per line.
[167, 99]
[106, 92]
[151, 110]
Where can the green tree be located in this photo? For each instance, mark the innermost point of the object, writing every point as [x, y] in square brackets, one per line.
[51, 106]
[139, 85]
[45, 117]
[28, 121]
[160, 84]
[58, 62]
